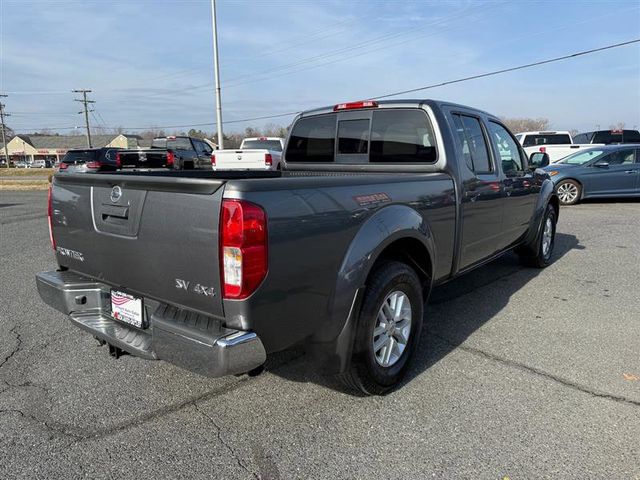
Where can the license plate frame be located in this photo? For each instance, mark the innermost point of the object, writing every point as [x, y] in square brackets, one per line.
[127, 308]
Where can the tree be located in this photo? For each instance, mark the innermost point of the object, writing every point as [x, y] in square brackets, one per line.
[517, 125]
[617, 126]
[197, 133]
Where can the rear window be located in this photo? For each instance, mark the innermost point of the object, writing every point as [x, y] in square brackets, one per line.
[313, 140]
[263, 145]
[392, 136]
[546, 139]
[80, 156]
[179, 143]
[159, 143]
[616, 136]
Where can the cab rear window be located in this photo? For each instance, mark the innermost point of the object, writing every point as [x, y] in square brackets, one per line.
[546, 139]
[382, 136]
[80, 156]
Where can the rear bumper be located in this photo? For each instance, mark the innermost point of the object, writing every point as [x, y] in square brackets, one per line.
[192, 341]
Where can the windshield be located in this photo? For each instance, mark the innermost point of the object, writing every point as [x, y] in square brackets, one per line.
[80, 156]
[263, 145]
[581, 158]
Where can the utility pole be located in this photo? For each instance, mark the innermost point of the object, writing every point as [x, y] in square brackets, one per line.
[4, 137]
[216, 71]
[86, 111]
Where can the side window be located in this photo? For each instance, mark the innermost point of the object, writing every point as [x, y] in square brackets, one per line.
[621, 157]
[473, 144]
[507, 149]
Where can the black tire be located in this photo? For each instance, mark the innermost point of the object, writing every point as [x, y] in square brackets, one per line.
[365, 373]
[573, 192]
[537, 256]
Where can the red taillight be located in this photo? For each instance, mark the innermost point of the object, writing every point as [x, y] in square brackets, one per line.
[543, 149]
[93, 164]
[213, 159]
[118, 161]
[243, 248]
[355, 105]
[170, 158]
[64, 166]
[50, 218]
[268, 160]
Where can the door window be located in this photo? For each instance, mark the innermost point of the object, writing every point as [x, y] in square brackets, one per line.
[202, 148]
[472, 142]
[621, 157]
[507, 149]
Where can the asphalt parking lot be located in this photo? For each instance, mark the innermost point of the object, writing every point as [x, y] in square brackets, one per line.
[522, 373]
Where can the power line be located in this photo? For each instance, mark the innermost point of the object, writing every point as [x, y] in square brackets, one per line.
[505, 70]
[403, 92]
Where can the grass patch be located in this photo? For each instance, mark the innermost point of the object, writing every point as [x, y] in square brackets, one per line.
[26, 172]
[24, 185]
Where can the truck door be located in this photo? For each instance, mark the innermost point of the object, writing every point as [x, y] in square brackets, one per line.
[520, 191]
[203, 152]
[481, 192]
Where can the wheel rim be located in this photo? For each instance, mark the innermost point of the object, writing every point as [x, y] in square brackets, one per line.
[568, 192]
[547, 237]
[392, 330]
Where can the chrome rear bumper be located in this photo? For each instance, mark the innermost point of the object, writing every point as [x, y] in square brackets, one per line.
[189, 340]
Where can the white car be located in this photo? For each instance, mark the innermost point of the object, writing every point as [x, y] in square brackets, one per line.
[256, 153]
[556, 144]
[39, 164]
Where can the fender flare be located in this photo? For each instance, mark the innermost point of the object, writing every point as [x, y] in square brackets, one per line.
[547, 195]
[332, 342]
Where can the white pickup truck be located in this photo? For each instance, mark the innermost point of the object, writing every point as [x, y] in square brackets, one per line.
[556, 144]
[257, 153]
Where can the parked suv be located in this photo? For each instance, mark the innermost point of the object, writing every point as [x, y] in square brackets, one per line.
[89, 160]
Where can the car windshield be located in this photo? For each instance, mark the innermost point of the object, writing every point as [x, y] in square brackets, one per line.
[581, 158]
[263, 145]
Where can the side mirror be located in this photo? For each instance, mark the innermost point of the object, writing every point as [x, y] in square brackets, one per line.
[602, 164]
[538, 160]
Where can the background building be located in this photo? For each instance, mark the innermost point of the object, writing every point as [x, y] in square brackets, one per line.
[53, 147]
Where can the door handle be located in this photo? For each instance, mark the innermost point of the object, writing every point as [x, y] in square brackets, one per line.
[631, 171]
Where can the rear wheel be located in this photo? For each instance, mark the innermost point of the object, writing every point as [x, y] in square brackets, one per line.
[569, 192]
[388, 329]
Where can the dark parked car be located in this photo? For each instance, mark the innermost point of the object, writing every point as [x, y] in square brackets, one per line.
[607, 171]
[378, 203]
[90, 160]
[608, 137]
[173, 152]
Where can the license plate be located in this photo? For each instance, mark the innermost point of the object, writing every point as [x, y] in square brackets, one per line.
[127, 308]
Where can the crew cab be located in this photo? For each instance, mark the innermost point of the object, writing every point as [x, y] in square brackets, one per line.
[174, 152]
[255, 153]
[379, 202]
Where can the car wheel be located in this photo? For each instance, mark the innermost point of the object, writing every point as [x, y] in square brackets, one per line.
[388, 329]
[569, 192]
[540, 256]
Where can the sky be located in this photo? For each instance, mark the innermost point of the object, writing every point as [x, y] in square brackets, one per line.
[149, 63]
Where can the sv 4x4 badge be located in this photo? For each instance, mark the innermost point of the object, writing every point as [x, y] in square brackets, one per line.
[197, 288]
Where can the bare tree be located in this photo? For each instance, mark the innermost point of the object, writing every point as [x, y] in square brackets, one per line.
[517, 125]
[617, 126]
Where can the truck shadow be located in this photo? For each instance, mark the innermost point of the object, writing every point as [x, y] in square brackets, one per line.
[447, 324]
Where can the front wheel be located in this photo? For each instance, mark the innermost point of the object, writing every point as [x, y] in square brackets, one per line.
[540, 255]
[388, 329]
[569, 192]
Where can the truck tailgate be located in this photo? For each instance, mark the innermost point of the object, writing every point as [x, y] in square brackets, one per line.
[152, 236]
[240, 159]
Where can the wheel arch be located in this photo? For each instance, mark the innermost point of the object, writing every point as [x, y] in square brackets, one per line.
[394, 232]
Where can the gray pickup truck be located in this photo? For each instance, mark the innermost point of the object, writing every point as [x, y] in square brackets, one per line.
[377, 204]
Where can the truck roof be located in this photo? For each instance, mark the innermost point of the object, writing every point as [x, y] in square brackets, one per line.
[546, 132]
[417, 103]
